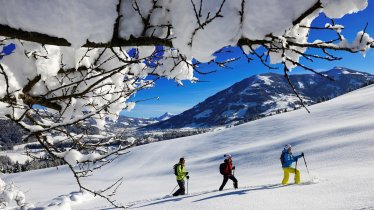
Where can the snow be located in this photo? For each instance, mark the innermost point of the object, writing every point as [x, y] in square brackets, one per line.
[301, 85]
[79, 18]
[78, 21]
[356, 73]
[281, 101]
[67, 201]
[338, 28]
[229, 113]
[247, 90]
[241, 112]
[9, 194]
[335, 137]
[204, 114]
[73, 157]
[17, 154]
[238, 109]
[361, 42]
[48, 67]
[131, 140]
[265, 79]
[338, 8]
[165, 116]
[130, 106]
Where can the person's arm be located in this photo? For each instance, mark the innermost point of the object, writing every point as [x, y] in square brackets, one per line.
[299, 156]
[185, 174]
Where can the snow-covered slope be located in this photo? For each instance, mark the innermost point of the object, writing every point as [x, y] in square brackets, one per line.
[263, 95]
[336, 137]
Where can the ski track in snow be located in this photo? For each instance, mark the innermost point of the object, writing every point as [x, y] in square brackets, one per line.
[240, 190]
[207, 194]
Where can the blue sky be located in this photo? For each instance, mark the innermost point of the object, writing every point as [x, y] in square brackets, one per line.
[176, 99]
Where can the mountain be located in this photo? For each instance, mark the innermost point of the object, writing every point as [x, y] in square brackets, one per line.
[263, 95]
[130, 122]
[336, 137]
[133, 122]
[165, 116]
[11, 134]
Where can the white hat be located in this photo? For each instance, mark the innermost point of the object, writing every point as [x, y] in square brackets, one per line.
[287, 146]
[227, 156]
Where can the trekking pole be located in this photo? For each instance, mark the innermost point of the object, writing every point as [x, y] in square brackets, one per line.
[307, 167]
[233, 174]
[187, 186]
[173, 189]
[296, 169]
[233, 171]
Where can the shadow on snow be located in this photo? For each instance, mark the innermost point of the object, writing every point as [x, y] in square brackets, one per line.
[240, 191]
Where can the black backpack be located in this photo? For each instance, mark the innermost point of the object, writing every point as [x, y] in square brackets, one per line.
[222, 168]
[175, 167]
[282, 158]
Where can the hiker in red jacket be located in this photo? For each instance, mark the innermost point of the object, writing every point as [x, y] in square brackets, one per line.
[226, 169]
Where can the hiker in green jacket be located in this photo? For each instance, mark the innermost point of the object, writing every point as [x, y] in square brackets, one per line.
[181, 174]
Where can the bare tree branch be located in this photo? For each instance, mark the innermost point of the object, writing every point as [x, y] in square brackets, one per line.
[316, 6]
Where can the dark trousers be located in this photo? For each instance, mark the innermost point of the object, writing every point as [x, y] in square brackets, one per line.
[226, 178]
[181, 190]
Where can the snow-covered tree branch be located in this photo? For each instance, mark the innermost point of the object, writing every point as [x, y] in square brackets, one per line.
[76, 61]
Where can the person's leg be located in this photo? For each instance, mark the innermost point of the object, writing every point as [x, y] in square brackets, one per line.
[181, 185]
[232, 177]
[176, 193]
[287, 172]
[297, 176]
[286, 176]
[181, 189]
[225, 178]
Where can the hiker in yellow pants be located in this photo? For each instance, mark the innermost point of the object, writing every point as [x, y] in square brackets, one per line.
[287, 160]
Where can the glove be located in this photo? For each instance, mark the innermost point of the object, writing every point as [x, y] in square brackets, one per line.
[186, 173]
[233, 168]
[302, 154]
[188, 177]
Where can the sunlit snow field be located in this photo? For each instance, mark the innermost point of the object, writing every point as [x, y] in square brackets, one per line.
[336, 137]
